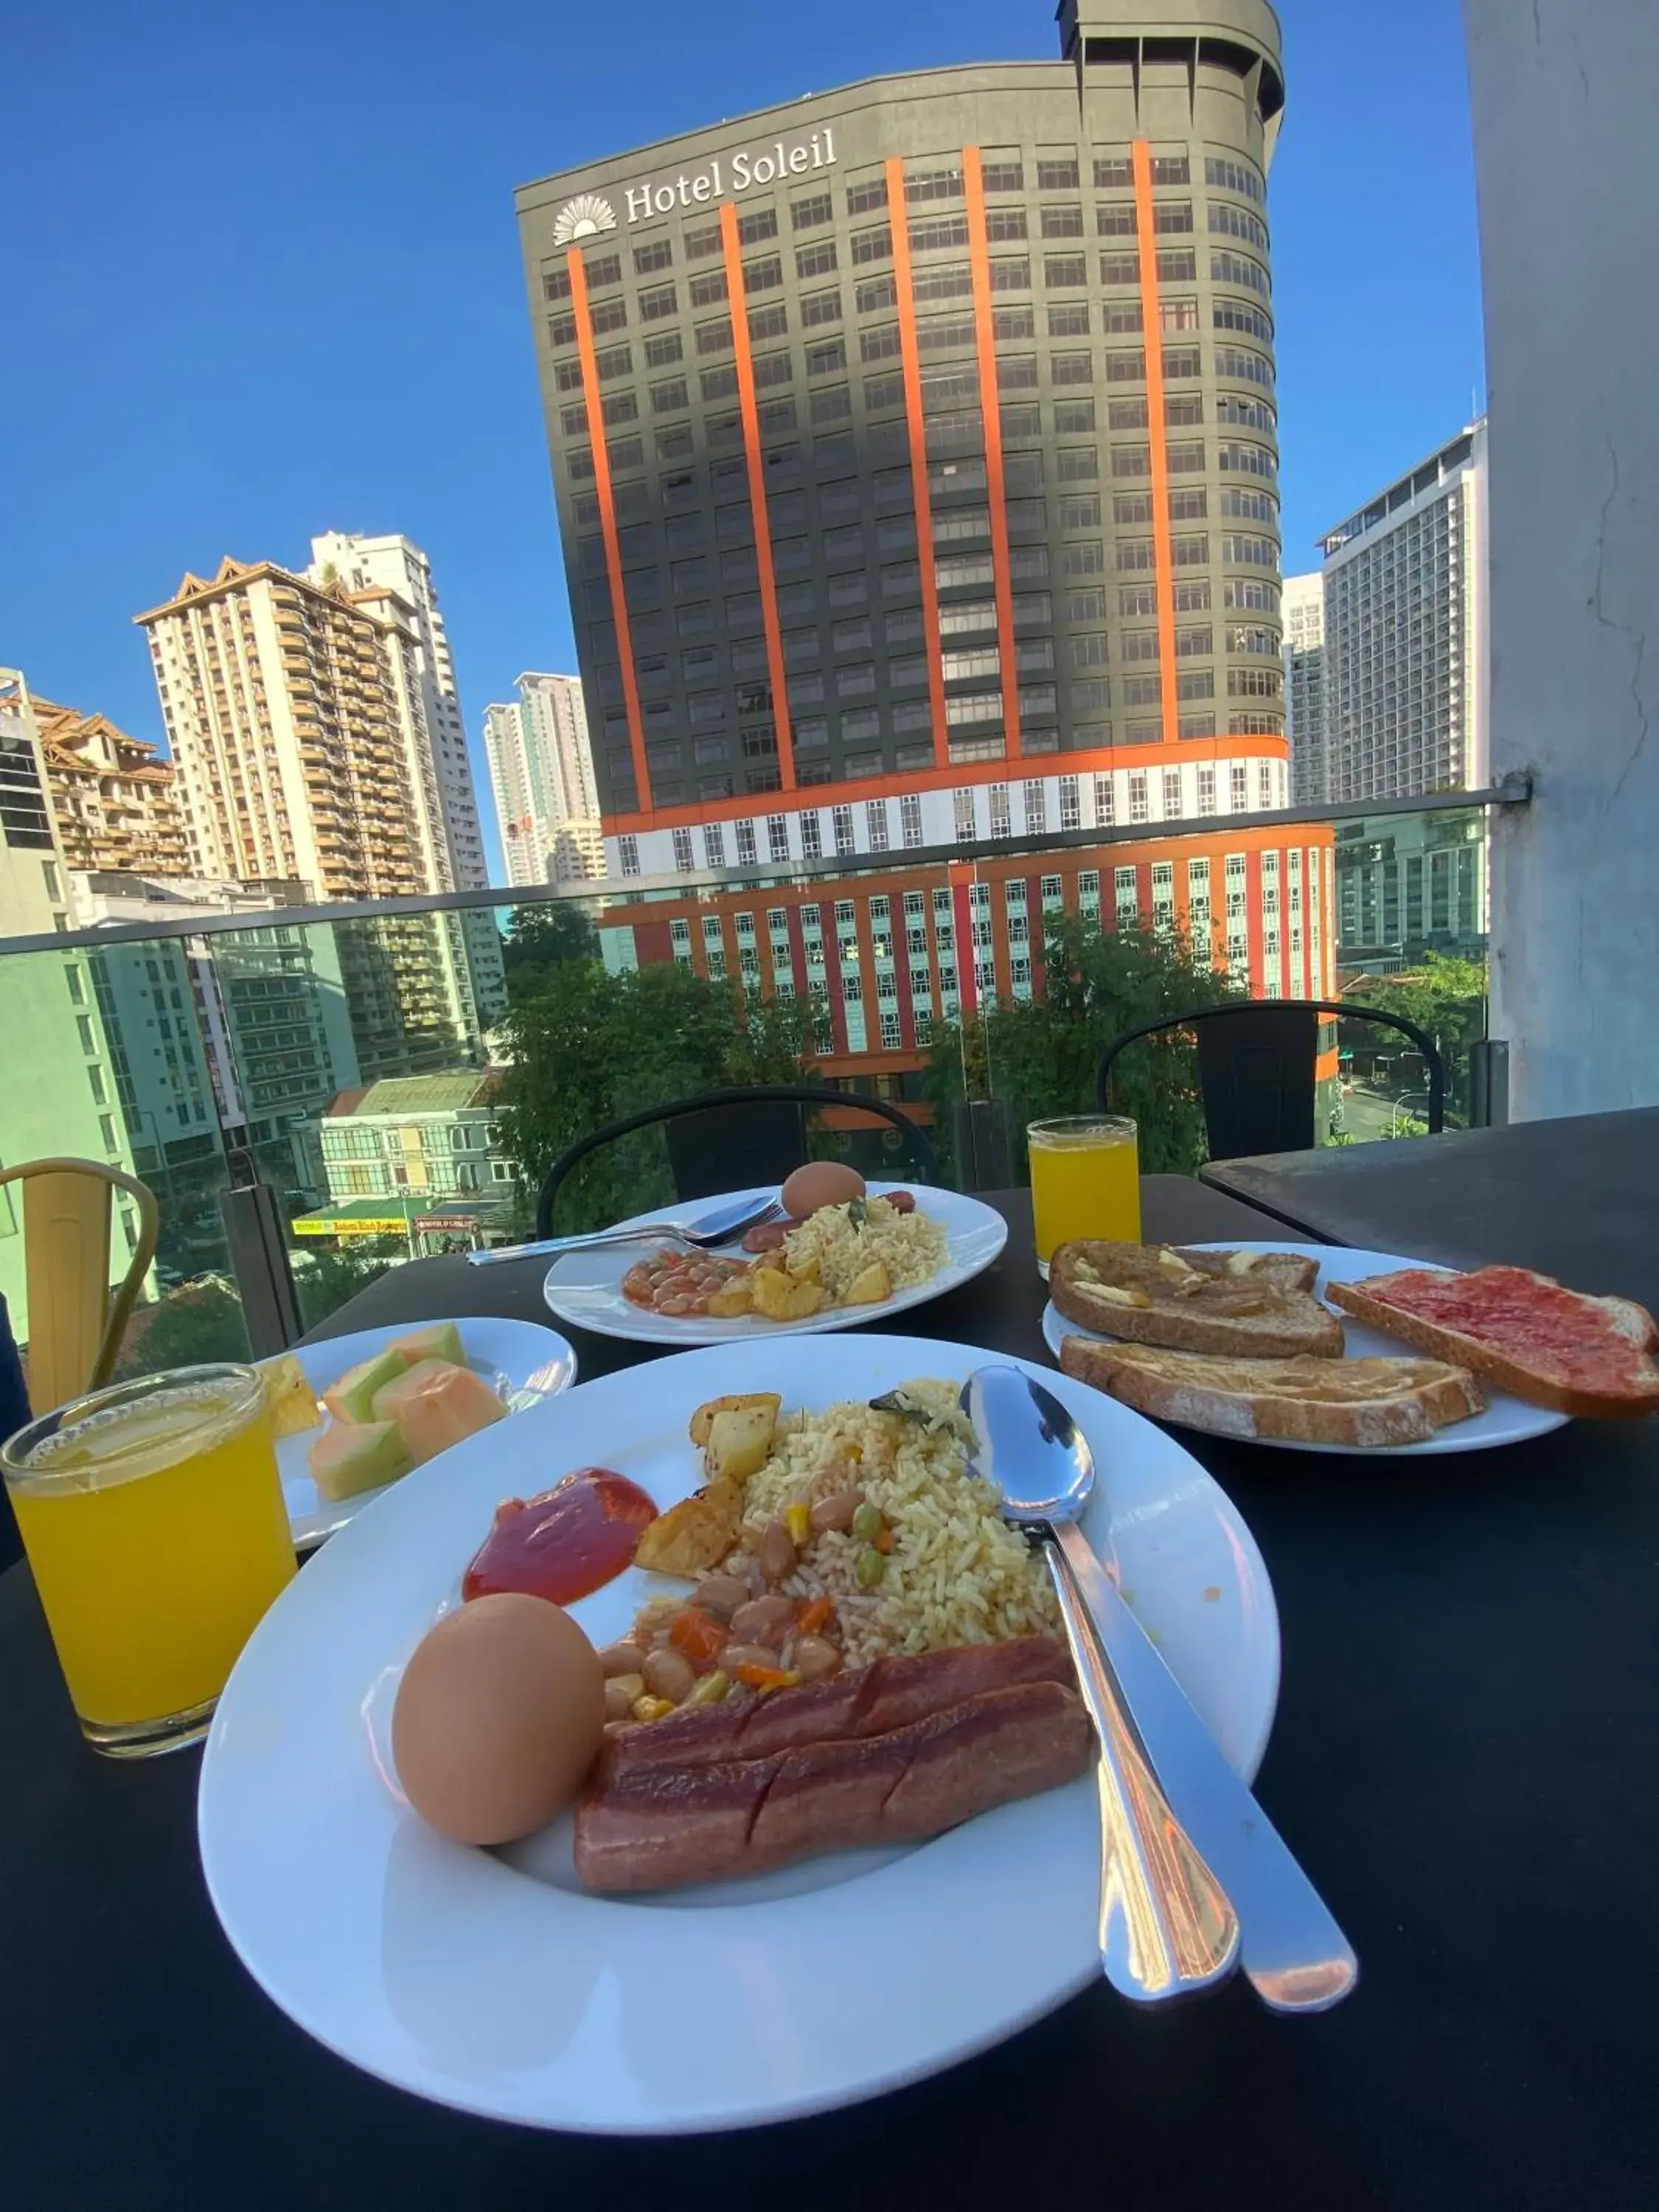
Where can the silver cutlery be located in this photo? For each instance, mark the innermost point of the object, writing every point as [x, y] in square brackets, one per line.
[1166, 1927]
[718, 1226]
[1292, 1952]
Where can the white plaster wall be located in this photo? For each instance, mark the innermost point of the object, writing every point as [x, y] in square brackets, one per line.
[1564, 95]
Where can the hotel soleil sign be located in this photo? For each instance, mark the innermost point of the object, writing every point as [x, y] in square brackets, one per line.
[722, 177]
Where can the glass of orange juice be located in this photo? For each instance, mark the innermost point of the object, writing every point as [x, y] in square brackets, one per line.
[1086, 1180]
[154, 1521]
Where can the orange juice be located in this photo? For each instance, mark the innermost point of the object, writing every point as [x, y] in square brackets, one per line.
[1086, 1180]
[155, 1529]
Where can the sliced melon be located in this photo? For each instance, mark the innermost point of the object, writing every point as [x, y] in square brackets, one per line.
[439, 1340]
[436, 1404]
[356, 1455]
[352, 1397]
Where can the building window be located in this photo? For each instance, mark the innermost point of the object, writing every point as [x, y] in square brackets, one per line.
[683, 861]
[963, 805]
[1206, 799]
[811, 836]
[1139, 807]
[910, 821]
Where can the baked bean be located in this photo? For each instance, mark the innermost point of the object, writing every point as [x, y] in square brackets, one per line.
[669, 1675]
[777, 1551]
[746, 1654]
[836, 1511]
[677, 1305]
[620, 1692]
[763, 1620]
[624, 1658]
[816, 1658]
[720, 1594]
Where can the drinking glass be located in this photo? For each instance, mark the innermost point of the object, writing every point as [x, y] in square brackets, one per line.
[153, 1516]
[1086, 1180]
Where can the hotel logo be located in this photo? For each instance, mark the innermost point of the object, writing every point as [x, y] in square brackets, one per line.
[584, 217]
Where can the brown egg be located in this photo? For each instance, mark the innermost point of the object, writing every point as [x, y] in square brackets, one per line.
[499, 1714]
[820, 1182]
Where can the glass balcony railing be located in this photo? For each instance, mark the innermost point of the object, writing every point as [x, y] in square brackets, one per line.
[400, 1078]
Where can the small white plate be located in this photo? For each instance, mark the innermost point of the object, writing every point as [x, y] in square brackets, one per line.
[585, 1287]
[522, 1361]
[494, 1983]
[1506, 1420]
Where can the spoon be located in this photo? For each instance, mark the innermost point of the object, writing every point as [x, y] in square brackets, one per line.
[1166, 1927]
[1293, 1953]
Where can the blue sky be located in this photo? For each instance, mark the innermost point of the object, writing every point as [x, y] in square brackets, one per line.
[263, 279]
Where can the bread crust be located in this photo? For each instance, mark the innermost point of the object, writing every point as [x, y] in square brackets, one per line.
[1194, 1300]
[1375, 1404]
[1626, 1319]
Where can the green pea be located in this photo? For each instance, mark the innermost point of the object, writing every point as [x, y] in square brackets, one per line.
[867, 1522]
[870, 1569]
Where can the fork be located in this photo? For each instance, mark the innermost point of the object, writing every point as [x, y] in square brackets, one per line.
[699, 1234]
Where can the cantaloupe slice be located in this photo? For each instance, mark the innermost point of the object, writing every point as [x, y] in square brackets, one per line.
[439, 1340]
[351, 1398]
[354, 1455]
[435, 1405]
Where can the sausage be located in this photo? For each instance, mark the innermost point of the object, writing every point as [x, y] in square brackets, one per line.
[902, 1201]
[887, 1694]
[768, 1236]
[650, 1825]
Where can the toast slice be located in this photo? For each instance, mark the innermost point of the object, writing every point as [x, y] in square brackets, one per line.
[1231, 1305]
[1375, 1404]
[1520, 1332]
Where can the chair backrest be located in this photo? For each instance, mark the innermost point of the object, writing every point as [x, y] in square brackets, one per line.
[75, 1326]
[1255, 1066]
[729, 1140]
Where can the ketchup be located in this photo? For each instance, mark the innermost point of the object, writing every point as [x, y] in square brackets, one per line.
[565, 1543]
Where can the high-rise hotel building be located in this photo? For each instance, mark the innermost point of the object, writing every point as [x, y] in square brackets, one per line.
[916, 459]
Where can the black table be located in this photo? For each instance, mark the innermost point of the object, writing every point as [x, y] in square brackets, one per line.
[1576, 1198]
[1463, 1757]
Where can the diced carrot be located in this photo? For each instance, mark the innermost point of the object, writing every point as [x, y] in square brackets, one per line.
[884, 1540]
[697, 1635]
[815, 1615]
[767, 1678]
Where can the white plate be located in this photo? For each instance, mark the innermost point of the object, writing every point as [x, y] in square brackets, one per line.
[469, 1980]
[1506, 1420]
[585, 1287]
[522, 1361]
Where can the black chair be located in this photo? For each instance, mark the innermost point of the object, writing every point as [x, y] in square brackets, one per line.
[1255, 1069]
[732, 1139]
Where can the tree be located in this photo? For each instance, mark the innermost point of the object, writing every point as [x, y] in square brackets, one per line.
[1444, 996]
[545, 936]
[327, 1279]
[585, 1047]
[1037, 1057]
[189, 1328]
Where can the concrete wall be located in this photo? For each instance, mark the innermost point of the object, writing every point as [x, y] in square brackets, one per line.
[1564, 95]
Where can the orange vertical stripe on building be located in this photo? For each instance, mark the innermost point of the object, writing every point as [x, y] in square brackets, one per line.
[909, 356]
[1157, 437]
[613, 570]
[979, 263]
[751, 446]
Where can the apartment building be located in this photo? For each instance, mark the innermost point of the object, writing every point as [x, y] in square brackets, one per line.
[60, 1097]
[431, 1135]
[541, 771]
[1304, 686]
[290, 706]
[392, 577]
[1405, 658]
[114, 797]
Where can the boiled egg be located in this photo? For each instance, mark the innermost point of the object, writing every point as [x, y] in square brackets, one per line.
[498, 1717]
[820, 1182]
